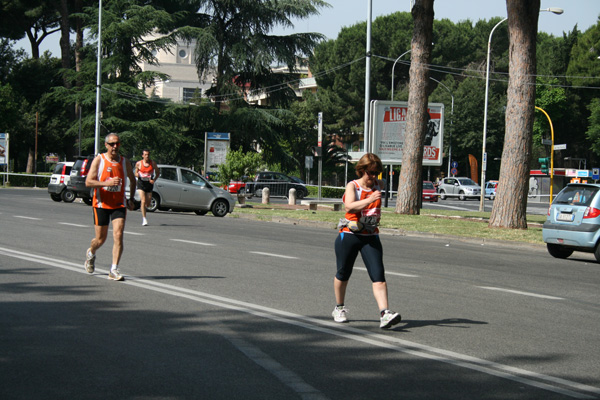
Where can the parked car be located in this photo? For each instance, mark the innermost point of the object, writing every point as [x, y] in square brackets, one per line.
[463, 188]
[279, 184]
[61, 175]
[429, 192]
[238, 186]
[490, 189]
[181, 189]
[573, 221]
[77, 182]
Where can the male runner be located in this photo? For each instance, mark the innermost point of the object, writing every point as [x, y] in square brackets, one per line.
[147, 173]
[107, 177]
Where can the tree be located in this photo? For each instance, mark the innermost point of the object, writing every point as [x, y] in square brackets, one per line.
[234, 42]
[409, 193]
[239, 164]
[510, 206]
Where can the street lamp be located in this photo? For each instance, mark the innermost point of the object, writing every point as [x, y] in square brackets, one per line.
[394, 67]
[554, 10]
[451, 120]
[551, 152]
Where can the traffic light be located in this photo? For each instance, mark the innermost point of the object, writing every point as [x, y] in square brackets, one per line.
[544, 161]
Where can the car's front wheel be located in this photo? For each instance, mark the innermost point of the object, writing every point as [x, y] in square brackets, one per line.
[219, 208]
[68, 196]
[154, 203]
[442, 195]
[461, 196]
[558, 251]
[56, 197]
[300, 194]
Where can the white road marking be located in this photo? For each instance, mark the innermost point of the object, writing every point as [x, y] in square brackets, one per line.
[273, 255]
[541, 296]
[134, 233]
[70, 224]
[392, 273]
[192, 242]
[23, 217]
[534, 379]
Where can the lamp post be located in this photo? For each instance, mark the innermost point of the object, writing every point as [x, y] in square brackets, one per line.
[393, 68]
[451, 120]
[551, 152]
[368, 76]
[98, 80]
[554, 10]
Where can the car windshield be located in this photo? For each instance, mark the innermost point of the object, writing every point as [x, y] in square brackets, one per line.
[58, 168]
[192, 177]
[467, 182]
[576, 195]
[428, 185]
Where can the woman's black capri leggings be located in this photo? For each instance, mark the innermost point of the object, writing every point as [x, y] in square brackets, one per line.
[347, 247]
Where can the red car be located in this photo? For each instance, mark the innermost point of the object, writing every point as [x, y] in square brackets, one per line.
[237, 187]
[429, 192]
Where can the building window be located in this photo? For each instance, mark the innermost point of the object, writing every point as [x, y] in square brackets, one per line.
[188, 94]
[182, 53]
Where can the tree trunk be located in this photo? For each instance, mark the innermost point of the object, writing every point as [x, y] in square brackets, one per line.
[30, 161]
[510, 206]
[65, 43]
[409, 186]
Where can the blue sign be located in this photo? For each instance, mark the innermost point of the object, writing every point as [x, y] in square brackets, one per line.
[595, 173]
[217, 136]
[454, 164]
[454, 171]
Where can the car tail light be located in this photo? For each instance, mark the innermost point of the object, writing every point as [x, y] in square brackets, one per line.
[549, 208]
[62, 179]
[84, 168]
[591, 212]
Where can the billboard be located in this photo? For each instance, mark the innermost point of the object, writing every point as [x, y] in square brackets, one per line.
[388, 126]
[3, 148]
[216, 146]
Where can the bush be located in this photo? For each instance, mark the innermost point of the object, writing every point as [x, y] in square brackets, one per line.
[326, 192]
[16, 180]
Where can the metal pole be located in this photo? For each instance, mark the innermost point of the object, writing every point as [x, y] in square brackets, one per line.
[368, 75]
[487, 88]
[394, 67]
[98, 80]
[451, 121]
[551, 152]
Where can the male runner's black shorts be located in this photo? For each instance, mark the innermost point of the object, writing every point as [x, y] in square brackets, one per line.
[146, 186]
[103, 216]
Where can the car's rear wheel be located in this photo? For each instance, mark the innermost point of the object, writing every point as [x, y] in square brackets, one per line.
[300, 194]
[442, 195]
[597, 252]
[56, 197]
[258, 192]
[558, 251]
[68, 196]
[461, 196]
[154, 203]
[200, 212]
[219, 208]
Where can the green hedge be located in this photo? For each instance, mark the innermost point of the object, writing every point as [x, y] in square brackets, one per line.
[326, 192]
[27, 181]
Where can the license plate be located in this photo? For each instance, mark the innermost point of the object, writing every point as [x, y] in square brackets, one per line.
[565, 217]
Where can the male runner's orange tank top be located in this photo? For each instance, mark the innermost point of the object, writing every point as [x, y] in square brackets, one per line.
[110, 197]
[145, 173]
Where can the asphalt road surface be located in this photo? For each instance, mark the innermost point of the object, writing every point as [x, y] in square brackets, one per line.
[225, 308]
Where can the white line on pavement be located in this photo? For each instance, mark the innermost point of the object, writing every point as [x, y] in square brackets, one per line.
[273, 255]
[392, 273]
[541, 296]
[70, 224]
[192, 242]
[23, 217]
[533, 379]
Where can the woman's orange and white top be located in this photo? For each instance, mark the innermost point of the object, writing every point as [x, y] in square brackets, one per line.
[145, 172]
[365, 221]
[110, 197]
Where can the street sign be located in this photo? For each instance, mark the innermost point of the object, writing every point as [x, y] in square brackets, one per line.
[583, 173]
[454, 171]
[595, 173]
[454, 164]
[547, 142]
[560, 147]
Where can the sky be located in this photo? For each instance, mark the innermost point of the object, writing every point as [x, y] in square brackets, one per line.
[342, 13]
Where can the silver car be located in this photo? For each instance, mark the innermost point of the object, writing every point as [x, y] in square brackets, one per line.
[463, 188]
[573, 222]
[181, 189]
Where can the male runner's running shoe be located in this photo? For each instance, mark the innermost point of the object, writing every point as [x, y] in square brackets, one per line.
[115, 275]
[90, 260]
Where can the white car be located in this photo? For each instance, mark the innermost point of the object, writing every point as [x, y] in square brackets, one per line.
[58, 183]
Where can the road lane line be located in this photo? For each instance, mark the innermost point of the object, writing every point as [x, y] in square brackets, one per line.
[76, 225]
[391, 273]
[541, 296]
[192, 242]
[24, 217]
[533, 379]
[273, 255]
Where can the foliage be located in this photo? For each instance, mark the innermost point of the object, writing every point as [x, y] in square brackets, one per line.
[593, 133]
[238, 166]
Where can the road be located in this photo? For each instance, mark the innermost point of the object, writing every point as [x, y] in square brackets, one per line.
[222, 308]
